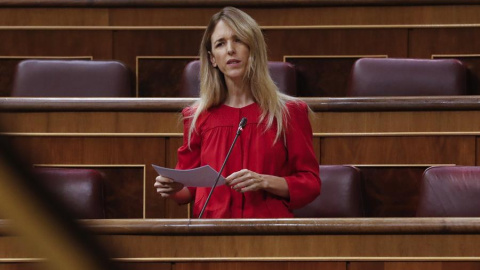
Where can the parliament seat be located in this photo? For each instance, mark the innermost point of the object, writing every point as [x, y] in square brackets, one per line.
[340, 195]
[283, 74]
[71, 78]
[450, 191]
[407, 77]
[80, 190]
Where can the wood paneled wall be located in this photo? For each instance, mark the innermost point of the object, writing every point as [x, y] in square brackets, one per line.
[320, 38]
[122, 138]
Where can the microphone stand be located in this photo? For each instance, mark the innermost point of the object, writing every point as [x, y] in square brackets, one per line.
[242, 124]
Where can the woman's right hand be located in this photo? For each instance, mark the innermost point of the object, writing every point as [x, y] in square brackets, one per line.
[166, 187]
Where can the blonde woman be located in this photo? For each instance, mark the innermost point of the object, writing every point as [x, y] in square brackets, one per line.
[272, 168]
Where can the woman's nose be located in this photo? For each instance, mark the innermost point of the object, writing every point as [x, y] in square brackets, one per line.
[230, 48]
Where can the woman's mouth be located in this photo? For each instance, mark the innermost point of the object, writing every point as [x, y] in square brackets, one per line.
[233, 62]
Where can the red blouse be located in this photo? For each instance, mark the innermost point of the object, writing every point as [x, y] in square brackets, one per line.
[291, 157]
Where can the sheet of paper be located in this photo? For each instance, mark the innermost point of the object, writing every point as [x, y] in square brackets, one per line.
[199, 177]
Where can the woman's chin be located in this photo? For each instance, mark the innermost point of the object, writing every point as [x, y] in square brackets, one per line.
[234, 76]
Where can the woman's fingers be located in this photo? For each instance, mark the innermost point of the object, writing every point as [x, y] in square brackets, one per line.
[245, 180]
[251, 186]
[238, 177]
[166, 186]
[162, 179]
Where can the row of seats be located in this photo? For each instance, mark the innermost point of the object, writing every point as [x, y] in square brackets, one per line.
[369, 77]
[446, 191]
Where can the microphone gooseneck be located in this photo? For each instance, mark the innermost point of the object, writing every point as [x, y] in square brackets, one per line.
[241, 125]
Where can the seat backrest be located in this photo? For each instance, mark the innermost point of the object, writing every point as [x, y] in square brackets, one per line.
[340, 195]
[71, 78]
[282, 73]
[407, 77]
[81, 190]
[450, 191]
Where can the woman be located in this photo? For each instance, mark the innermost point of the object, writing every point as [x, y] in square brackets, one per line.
[272, 168]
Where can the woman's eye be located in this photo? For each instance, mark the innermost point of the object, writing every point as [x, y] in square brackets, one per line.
[218, 44]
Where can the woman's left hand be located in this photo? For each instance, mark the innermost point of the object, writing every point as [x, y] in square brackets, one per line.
[246, 180]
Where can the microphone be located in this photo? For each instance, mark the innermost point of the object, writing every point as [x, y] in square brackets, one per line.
[241, 125]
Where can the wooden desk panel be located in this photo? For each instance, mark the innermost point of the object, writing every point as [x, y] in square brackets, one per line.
[305, 239]
[398, 150]
[322, 242]
[415, 122]
[188, 13]
[387, 137]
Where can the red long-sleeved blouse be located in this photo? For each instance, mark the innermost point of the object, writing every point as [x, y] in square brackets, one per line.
[291, 157]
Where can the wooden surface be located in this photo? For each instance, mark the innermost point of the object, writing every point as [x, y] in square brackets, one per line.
[156, 38]
[289, 227]
[391, 140]
[161, 3]
[387, 243]
[324, 105]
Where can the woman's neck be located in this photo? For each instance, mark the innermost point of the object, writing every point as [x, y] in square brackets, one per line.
[239, 95]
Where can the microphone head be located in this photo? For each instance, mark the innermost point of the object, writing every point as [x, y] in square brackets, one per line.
[243, 122]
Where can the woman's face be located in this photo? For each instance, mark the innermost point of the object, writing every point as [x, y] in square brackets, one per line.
[228, 53]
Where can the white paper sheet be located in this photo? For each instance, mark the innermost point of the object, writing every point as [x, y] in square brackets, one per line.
[199, 177]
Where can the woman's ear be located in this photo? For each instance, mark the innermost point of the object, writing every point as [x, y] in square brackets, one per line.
[212, 59]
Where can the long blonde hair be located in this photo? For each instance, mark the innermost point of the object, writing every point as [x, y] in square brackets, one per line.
[213, 91]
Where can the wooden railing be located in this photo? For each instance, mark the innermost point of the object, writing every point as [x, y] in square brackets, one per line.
[430, 243]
